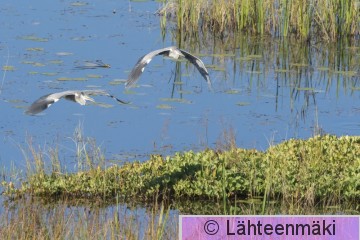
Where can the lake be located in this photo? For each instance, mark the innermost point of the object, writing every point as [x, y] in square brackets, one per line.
[265, 91]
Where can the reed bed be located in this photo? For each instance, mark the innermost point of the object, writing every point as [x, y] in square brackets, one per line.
[328, 19]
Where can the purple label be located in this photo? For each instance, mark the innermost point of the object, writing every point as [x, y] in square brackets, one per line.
[269, 227]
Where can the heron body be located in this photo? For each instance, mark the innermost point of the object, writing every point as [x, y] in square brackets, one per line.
[172, 52]
[78, 96]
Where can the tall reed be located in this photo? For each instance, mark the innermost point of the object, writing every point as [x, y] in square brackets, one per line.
[328, 19]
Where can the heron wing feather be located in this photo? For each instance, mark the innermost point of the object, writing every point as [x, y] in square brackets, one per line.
[198, 64]
[141, 64]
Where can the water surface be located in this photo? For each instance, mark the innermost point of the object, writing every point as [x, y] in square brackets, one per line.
[265, 90]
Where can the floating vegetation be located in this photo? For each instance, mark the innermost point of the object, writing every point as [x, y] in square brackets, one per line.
[216, 68]
[94, 76]
[346, 73]
[178, 100]
[8, 68]
[35, 64]
[254, 72]
[241, 104]
[117, 81]
[72, 79]
[217, 55]
[232, 91]
[35, 49]
[180, 82]
[253, 57]
[323, 69]
[184, 92]
[64, 53]
[79, 4]
[299, 65]
[15, 100]
[100, 104]
[49, 73]
[92, 65]
[34, 38]
[305, 89]
[57, 62]
[283, 70]
[328, 19]
[164, 106]
[79, 38]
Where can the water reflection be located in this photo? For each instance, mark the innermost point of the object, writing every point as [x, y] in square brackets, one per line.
[303, 76]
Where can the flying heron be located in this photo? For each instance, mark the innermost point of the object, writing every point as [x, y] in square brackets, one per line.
[172, 52]
[79, 96]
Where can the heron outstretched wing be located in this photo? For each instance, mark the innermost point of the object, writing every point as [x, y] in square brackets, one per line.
[141, 64]
[40, 105]
[198, 64]
[79, 96]
[176, 52]
[103, 93]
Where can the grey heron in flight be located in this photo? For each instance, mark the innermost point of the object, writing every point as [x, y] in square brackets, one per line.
[79, 96]
[172, 52]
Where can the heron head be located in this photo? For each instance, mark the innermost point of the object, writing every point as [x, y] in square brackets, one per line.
[81, 98]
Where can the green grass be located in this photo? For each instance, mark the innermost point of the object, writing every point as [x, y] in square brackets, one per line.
[320, 171]
[328, 19]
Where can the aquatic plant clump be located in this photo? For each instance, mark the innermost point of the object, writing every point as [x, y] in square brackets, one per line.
[322, 169]
[328, 19]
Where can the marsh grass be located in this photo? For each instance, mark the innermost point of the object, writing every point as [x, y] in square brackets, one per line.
[328, 19]
[30, 218]
[319, 172]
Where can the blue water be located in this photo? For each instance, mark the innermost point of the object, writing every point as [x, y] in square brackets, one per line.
[258, 107]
